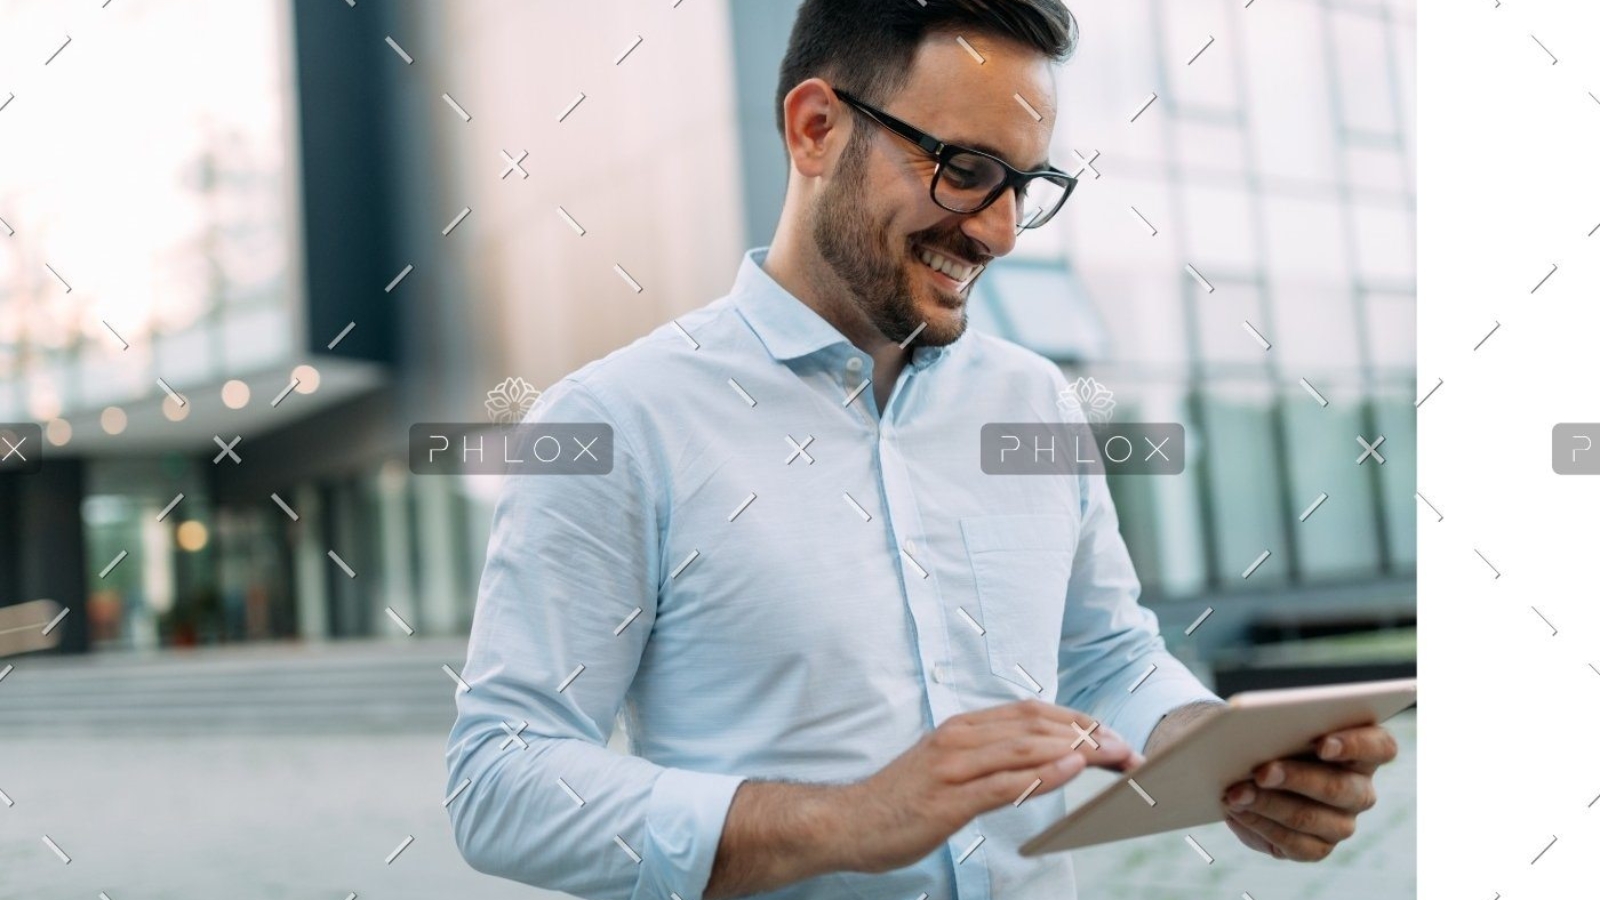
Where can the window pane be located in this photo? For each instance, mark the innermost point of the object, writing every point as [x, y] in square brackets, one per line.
[1314, 326]
[49, 390]
[1043, 307]
[1366, 95]
[1378, 168]
[1170, 559]
[1286, 82]
[1208, 82]
[186, 358]
[1210, 149]
[256, 338]
[1404, 38]
[1338, 539]
[1243, 475]
[1386, 243]
[1397, 422]
[1392, 330]
[1221, 317]
[1139, 307]
[1220, 230]
[1131, 278]
[1306, 240]
[107, 373]
[1099, 90]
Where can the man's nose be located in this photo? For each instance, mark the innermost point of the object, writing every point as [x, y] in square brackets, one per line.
[995, 226]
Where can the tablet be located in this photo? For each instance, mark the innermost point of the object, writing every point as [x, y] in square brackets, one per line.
[1182, 784]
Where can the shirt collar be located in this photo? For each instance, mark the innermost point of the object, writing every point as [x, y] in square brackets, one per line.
[786, 326]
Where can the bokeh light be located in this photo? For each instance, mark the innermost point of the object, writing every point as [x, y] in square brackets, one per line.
[309, 377]
[174, 412]
[192, 535]
[113, 420]
[235, 394]
[58, 432]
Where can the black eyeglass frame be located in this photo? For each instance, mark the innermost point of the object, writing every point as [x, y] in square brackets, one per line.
[942, 152]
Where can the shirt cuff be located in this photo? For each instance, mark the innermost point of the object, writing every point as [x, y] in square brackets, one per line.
[1138, 718]
[683, 828]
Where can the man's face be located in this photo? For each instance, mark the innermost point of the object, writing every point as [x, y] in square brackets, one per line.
[874, 222]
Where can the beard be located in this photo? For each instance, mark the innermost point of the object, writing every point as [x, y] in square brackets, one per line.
[857, 249]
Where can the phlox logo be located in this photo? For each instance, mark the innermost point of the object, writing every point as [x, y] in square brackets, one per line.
[1094, 397]
[510, 400]
[508, 446]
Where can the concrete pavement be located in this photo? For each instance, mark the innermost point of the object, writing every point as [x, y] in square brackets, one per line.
[295, 771]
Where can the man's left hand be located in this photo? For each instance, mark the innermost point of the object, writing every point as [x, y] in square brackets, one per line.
[1299, 807]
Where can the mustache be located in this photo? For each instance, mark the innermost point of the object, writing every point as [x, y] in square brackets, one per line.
[956, 250]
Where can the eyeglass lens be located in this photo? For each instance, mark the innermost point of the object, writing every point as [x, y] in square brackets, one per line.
[967, 179]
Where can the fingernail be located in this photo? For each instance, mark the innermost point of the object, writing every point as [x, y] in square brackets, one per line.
[1068, 762]
[1242, 796]
[1330, 748]
[1273, 776]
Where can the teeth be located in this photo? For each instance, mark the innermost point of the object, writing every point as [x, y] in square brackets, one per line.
[944, 264]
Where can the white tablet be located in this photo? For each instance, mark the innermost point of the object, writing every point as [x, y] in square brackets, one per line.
[1182, 784]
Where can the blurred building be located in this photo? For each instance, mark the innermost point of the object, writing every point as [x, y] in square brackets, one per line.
[314, 164]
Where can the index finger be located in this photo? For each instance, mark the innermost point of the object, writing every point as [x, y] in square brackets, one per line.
[1089, 732]
[1023, 709]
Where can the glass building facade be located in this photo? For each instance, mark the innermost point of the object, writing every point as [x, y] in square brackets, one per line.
[1274, 166]
[1239, 257]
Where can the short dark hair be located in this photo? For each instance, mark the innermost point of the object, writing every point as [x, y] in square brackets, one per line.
[868, 45]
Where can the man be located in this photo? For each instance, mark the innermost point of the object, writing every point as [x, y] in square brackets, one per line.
[849, 663]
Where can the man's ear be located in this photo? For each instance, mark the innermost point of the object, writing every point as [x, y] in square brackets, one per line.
[815, 127]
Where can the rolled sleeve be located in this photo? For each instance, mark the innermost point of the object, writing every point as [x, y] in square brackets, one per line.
[684, 826]
[1138, 717]
[543, 800]
[1108, 640]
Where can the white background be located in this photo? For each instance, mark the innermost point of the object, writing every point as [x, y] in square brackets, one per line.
[1509, 185]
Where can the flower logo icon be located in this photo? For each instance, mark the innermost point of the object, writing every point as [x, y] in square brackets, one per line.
[510, 401]
[1092, 396]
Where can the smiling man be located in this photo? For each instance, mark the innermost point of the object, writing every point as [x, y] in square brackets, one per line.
[849, 662]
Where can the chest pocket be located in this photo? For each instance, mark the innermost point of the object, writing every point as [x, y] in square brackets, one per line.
[1020, 567]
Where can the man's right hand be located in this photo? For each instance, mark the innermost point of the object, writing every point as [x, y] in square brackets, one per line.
[973, 763]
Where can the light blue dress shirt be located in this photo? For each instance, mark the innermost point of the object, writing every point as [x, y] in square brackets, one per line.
[779, 580]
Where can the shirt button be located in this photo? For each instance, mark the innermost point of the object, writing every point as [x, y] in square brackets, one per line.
[911, 546]
[853, 364]
[941, 673]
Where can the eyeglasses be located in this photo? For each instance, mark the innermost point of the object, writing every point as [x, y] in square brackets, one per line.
[967, 181]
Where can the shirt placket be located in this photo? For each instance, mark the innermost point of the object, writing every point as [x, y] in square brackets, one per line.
[921, 593]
